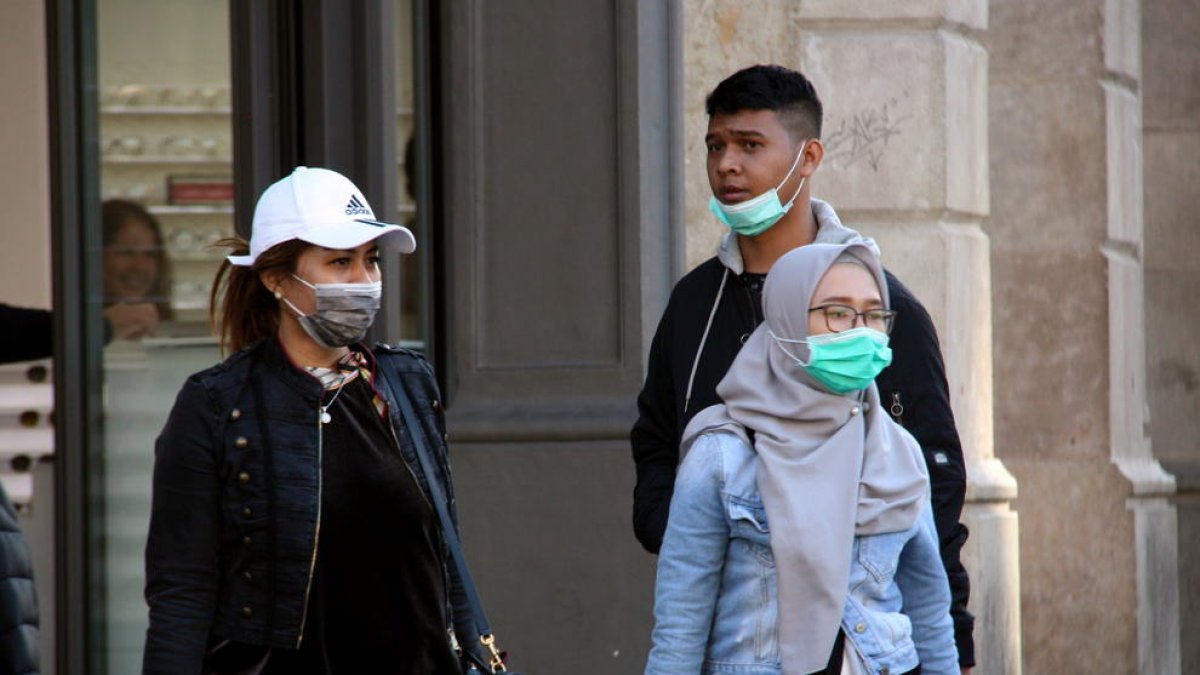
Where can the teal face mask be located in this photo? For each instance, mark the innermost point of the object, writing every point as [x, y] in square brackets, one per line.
[843, 362]
[755, 216]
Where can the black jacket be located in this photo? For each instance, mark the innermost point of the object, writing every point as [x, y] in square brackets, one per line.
[914, 389]
[25, 334]
[18, 605]
[233, 524]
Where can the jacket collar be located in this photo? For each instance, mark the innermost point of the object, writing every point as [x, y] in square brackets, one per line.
[276, 360]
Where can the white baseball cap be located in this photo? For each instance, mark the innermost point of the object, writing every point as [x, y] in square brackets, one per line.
[320, 207]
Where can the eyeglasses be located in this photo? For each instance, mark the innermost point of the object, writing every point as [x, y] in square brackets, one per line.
[840, 317]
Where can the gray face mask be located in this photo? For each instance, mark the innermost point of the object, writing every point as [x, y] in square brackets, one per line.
[344, 312]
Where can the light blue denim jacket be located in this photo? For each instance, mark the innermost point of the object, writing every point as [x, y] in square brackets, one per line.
[715, 604]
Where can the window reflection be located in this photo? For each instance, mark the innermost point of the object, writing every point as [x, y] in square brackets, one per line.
[166, 182]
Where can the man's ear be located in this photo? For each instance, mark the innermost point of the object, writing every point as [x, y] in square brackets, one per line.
[814, 152]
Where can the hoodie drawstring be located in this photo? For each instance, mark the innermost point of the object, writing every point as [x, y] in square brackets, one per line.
[687, 397]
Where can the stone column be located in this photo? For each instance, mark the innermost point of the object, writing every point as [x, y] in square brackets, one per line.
[1154, 530]
[1170, 90]
[906, 132]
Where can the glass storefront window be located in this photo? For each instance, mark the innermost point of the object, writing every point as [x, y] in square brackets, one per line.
[166, 182]
[165, 129]
[415, 269]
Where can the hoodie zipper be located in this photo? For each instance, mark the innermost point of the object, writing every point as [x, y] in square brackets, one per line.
[312, 563]
[897, 408]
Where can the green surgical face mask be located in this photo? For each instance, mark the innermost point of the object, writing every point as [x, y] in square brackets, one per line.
[755, 216]
[843, 362]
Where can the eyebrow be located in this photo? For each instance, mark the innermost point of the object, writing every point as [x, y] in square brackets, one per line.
[843, 300]
[739, 133]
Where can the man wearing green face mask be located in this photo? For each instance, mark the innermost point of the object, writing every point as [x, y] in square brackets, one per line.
[763, 143]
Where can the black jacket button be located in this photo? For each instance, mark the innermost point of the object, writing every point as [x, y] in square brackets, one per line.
[247, 612]
[243, 477]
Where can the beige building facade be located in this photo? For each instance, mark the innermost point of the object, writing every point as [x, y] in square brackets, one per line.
[1029, 169]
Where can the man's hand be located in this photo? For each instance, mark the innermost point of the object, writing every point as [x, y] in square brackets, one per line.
[966, 670]
[132, 321]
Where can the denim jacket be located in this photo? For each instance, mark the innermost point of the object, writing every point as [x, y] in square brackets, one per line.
[715, 605]
[237, 486]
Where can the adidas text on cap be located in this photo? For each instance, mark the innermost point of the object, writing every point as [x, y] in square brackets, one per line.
[321, 207]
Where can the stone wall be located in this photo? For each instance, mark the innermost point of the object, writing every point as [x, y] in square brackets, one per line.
[905, 94]
[1171, 145]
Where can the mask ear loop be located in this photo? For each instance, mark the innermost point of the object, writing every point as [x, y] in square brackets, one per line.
[796, 163]
[779, 343]
[281, 297]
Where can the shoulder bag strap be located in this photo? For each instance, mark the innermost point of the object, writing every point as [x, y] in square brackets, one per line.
[449, 531]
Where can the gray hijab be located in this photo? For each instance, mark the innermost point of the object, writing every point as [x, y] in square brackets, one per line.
[826, 470]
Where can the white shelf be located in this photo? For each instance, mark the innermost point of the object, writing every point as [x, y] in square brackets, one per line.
[164, 110]
[159, 159]
[196, 256]
[176, 210]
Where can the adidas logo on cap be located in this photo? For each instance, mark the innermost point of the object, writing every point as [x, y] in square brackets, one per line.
[356, 208]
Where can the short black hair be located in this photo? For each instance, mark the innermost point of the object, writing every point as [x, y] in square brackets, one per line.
[769, 87]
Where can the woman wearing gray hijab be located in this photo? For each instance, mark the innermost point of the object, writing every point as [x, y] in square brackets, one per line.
[801, 537]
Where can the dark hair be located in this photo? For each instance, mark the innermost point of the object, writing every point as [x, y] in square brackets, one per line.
[782, 90]
[248, 311]
[114, 215]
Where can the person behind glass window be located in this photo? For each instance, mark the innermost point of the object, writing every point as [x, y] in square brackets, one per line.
[137, 272]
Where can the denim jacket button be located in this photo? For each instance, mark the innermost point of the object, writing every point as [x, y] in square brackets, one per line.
[436, 404]
[247, 512]
[235, 414]
[884, 670]
[247, 612]
[860, 628]
[243, 477]
[241, 442]
[247, 540]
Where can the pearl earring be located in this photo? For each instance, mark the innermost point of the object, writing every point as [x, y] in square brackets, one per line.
[278, 295]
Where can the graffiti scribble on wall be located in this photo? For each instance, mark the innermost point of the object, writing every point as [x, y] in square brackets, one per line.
[863, 137]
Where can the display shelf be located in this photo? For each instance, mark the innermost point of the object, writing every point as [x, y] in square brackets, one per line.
[201, 256]
[144, 160]
[165, 110]
[175, 210]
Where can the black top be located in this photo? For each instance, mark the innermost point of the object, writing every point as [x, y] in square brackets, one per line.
[378, 599]
[25, 334]
[913, 388]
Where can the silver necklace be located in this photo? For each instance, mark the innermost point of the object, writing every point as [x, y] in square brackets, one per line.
[326, 418]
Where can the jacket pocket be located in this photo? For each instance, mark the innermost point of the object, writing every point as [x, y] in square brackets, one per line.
[879, 554]
[748, 524]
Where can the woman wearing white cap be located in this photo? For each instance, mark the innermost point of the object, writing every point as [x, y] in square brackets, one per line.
[800, 537]
[292, 528]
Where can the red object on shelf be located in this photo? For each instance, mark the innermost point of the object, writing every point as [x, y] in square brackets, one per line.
[199, 190]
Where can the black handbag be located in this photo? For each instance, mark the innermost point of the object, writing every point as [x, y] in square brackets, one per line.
[491, 659]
